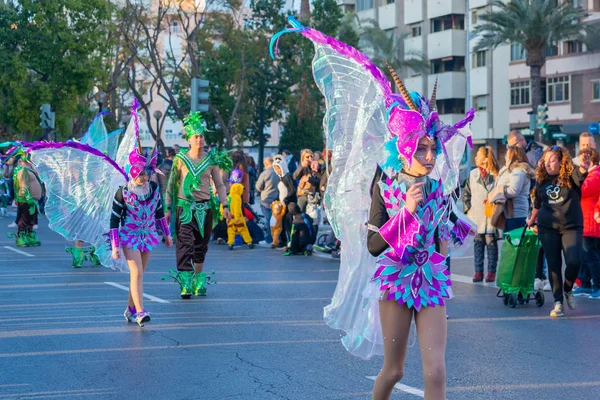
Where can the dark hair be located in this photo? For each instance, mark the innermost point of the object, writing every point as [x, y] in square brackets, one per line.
[566, 167]
[239, 161]
[592, 154]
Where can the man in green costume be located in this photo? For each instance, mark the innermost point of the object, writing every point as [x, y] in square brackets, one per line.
[196, 206]
[28, 191]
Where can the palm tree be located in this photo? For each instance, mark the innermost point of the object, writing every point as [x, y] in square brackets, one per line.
[534, 25]
[383, 48]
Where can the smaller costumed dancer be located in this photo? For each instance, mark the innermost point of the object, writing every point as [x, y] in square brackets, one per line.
[237, 224]
[197, 209]
[28, 191]
[278, 209]
[137, 220]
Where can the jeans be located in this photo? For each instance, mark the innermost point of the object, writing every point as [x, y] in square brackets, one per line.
[480, 243]
[267, 213]
[590, 267]
[555, 243]
[514, 223]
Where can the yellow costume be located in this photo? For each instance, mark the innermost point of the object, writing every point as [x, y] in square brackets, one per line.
[278, 209]
[237, 224]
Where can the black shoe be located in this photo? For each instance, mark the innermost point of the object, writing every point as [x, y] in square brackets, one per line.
[251, 246]
[230, 247]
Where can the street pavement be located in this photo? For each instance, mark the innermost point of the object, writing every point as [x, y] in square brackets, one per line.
[259, 334]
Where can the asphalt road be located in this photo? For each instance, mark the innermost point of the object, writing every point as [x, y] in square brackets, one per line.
[259, 334]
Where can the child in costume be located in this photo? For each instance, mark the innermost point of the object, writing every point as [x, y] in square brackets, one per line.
[303, 234]
[121, 211]
[389, 195]
[287, 194]
[237, 224]
[197, 209]
[276, 224]
[28, 191]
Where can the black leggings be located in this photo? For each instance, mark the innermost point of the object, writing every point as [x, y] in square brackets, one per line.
[555, 243]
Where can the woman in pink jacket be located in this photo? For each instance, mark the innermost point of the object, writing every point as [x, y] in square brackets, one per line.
[589, 274]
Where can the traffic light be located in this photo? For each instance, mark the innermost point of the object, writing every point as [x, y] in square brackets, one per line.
[47, 117]
[199, 95]
[542, 116]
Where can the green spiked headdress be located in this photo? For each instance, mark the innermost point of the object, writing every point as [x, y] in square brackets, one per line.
[194, 125]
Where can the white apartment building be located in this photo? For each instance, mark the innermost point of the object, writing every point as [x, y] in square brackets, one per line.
[437, 31]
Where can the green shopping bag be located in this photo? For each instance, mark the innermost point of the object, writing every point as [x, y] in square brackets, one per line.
[518, 260]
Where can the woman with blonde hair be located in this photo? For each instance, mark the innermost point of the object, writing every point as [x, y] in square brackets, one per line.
[513, 186]
[559, 217]
[481, 182]
[308, 175]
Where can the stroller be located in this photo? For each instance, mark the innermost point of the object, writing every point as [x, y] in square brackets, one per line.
[516, 271]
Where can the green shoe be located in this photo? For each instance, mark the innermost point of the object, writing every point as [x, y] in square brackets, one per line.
[20, 239]
[32, 239]
[92, 257]
[184, 278]
[199, 284]
[78, 256]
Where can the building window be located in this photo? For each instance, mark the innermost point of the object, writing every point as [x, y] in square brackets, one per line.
[451, 106]
[480, 103]
[175, 27]
[551, 51]
[479, 59]
[390, 1]
[519, 93]
[415, 30]
[453, 21]
[557, 89]
[362, 5]
[448, 64]
[596, 90]
[475, 14]
[574, 46]
[517, 52]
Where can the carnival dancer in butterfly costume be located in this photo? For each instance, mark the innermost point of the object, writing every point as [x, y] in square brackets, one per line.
[395, 147]
[197, 209]
[121, 211]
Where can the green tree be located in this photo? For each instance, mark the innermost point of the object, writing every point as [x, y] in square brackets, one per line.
[52, 52]
[534, 25]
[349, 31]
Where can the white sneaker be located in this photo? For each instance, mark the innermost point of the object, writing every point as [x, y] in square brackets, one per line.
[13, 225]
[537, 284]
[547, 287]
[570, 300]
[35, 227]
[558, 310]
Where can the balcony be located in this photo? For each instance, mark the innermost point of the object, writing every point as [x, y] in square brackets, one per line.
[413, 11]
[387, 16]
[413, 47]
[451, 85]
[414, 83]
[479, 81]
[438, 8]
[451, 42]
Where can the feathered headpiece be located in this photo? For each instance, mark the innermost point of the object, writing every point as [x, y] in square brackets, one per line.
[138, 159]
[194, 125]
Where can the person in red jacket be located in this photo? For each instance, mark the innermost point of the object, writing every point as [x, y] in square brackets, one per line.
[589, 274]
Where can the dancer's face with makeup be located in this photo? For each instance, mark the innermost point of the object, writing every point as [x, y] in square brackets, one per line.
[423, 161]
[142, 178]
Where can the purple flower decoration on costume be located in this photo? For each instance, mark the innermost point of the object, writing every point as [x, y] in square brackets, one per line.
[236, 176]
[139, 231]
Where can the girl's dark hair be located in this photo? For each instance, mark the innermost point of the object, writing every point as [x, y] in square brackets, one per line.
[239, 161]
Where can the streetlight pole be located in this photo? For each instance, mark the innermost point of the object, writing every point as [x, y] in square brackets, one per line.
[158, 115]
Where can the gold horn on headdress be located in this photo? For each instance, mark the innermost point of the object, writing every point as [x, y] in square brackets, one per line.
[432, 103]
[405, 95]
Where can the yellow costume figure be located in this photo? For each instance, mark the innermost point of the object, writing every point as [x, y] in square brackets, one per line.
[237, 224]
[278, 209]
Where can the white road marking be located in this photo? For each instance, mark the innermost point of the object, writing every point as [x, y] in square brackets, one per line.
[148, 296]
[18, 251]
[404, 388]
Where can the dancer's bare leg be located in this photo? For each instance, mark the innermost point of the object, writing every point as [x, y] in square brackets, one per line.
[432, 330]
[395, 325]
[198, 267]
[136, 278]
